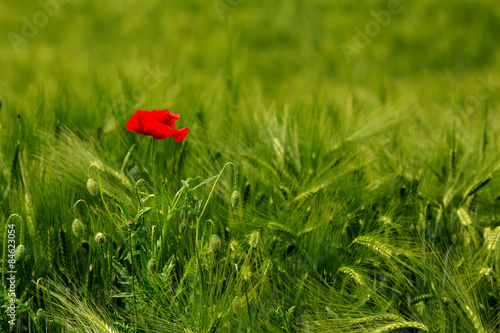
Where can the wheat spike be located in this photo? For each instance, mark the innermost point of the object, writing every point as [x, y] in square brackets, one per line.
[308, 193]
[486, 233]
[305, 231]
[453, 162]
[492, 239]
[376, 246]
[279, 227]
[254, 239]
[421, 298]
[477, 186]
[475, 321]
[385, 220]
[353, 274]
[464, 217]
[486, 271]
[397, 326]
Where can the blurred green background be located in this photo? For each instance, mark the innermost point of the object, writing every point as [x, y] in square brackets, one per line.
[272, 49]
[88, 62]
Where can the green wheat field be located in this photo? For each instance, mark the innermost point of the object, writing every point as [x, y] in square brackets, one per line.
[341, 171]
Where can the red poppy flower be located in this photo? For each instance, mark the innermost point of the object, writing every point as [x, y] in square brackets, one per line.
[158, 124]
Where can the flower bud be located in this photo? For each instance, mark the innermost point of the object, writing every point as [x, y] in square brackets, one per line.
[130, 222]
[152, 265]
[77, 228]
[20, 253]
[215, 243]
[235, 199]
[92, 187]
[100, 238]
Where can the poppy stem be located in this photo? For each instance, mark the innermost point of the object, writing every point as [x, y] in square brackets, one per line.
[153, 174]
[156, 192]
[88, 211]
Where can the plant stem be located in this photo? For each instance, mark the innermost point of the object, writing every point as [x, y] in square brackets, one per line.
[199, 245]
[133, 277]
[104, 274]
[208, 199]
[248, 305]
[88, 211]
[100, 189]
[157, 192]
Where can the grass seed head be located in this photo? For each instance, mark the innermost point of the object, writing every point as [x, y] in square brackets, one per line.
[353, 274]
[254, 239]
[77, 228]
[100, 238]
[92, 186]
[464, 217]
[492, 238]
[20, 253]
[235, 199]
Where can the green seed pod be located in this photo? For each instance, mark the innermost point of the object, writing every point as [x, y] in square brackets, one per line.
[77, 228]
[92, 187]
[235, 199]
[100, 238]
[152, 265]
[40, 315]
[20, 253]
[215, 243]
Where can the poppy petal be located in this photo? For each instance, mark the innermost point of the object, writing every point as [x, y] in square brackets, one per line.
[136, 122]
[157, 130]
[165, 117]
[180, 134]
[158, 124]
